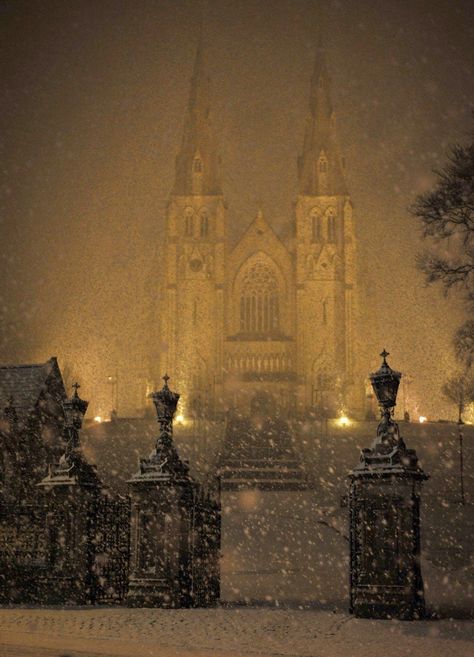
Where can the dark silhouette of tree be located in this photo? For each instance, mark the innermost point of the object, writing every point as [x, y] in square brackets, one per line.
[464, 344]
[459, 390]
[447, 217]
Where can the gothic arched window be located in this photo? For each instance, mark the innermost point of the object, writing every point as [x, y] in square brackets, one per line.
[323, 381]
[259, 301]
[189, 222]
[204, 228]
[316, 225]
[197, 165]
[331, 218]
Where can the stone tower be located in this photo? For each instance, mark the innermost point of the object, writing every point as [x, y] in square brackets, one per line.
[192, 304]
[269, 320]
[324, 265]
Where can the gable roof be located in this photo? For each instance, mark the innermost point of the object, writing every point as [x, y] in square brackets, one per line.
[25, 384]
[259, 235]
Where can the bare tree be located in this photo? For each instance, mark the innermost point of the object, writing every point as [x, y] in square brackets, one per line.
[447, 217]
[459, 390]
[464, 344]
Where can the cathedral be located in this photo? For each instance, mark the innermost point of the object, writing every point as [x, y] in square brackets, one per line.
[269, 322]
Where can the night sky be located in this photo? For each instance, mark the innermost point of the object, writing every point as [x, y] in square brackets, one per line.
[92, 107]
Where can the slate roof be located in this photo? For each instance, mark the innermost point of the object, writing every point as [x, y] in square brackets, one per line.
[25, 383]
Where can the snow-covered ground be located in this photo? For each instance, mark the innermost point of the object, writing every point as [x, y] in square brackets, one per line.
[292, 549]
[293, 546]
[222, 632]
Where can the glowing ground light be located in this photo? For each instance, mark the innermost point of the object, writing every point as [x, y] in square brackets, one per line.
[180, 419]
[98, 419]
[343, 421]
[422, 419]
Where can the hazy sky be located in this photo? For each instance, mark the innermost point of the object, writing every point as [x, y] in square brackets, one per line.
[93, 99]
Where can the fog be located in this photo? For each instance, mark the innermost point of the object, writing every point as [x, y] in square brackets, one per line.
[92, 107]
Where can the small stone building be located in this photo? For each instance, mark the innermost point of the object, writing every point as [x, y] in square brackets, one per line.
[65, 537]
[31, 438]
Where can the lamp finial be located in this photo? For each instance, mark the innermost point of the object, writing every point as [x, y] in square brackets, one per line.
[384, 355]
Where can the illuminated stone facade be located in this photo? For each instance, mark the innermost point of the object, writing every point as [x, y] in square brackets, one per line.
[270, 319]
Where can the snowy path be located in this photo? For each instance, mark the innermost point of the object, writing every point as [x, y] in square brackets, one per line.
[224, 632]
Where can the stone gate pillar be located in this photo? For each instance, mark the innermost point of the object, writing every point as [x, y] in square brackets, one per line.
[162, 503]
[384, 503]
[69, 493]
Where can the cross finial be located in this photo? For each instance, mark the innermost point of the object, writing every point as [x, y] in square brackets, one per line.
[166, 378]
[384, 355]
[76, 387]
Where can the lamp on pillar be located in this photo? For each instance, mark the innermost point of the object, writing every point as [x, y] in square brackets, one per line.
[385, 383]
[162, 494]
[72, 469]
[74, 410]
[175, 529]
[385, 488]
[71, 492]
[165, 402]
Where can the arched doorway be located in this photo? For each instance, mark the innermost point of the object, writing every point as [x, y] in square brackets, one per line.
[263, 403]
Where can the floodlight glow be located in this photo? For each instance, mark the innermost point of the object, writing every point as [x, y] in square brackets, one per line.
[343, 421]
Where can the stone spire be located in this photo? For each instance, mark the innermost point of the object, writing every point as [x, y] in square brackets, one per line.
[197, 163]
[320, 167]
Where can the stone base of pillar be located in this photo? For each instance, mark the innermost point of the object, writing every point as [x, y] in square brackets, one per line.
[384, 504]
[155, 592]
[64, 591]
[388, 602]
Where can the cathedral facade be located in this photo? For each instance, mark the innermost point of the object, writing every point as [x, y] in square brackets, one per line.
[268, 321]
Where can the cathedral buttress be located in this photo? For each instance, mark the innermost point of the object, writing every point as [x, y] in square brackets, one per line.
[192, 309]
[325, 267]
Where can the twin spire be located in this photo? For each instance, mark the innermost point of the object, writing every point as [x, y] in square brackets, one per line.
[197, 163]
[320, 166]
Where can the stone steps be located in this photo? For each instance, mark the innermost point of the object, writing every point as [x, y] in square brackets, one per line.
[260, 457]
